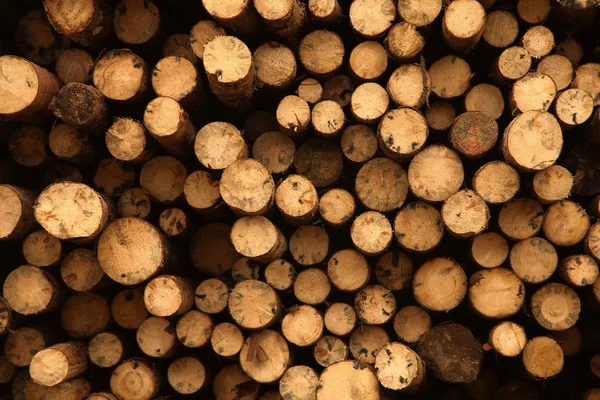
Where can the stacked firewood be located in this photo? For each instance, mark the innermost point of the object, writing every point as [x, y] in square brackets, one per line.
[299, 199]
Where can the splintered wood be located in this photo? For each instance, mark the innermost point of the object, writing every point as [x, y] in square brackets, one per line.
[299, 199]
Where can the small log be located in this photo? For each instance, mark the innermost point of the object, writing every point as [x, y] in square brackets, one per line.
[137, 22]
[238, 16]
[573, 107]
[440, 284]
[366, 341]
[374, 305]
[579, 270]
[74, 389]
[302, 326]
[275, 66]
[211, 296]
[542, 357]
[533, 11]
[409, 86]
[135, 378]
[418, 227]
[501, 29]
[24, 388]
[274, 150]
[25, 342]
[369, 102]
[226, 340]
[359, 143]
[371, 233]
[440, 115]
[83, 107]
[188, 375]
[435, 173]
[326, 12]
[30, 290]
[36, 39]
[534, 91]
[339, 88]
[512, 64]
[538, 41]
[16, 212]
[507, 339]
[310, 90]
[370, 18]
[348, 378]
[451, 353]
[87, 24]
[122, 76]
[69, 144]
[399, 368]
[201, 34]
[127, 140]
[128, 308]
[404, 42]
[328, 119]
[74, 66]
[489, 250]
[178, 78]
[107, 349]
[329, 350]
[348, 270]
[555, 307]
[293, 116]
[230, 380]
[410, 323]
[534, 260]
[219, 144]
[340, 319]
[211, 249]
[22, 102]
[496, 293]
[253, 305]
[170, 125]
[201, 192]
[162, 178]
[321, 53]
[309, 245]
[194, 329]
[131, 251]
[113, 176]
[368, 61]
[312, 286]
[168, 295]
[544, 141]
[485, 98]
[394, 270]
[42, 249]
[571, 49]
[418, 13]
[280, 274]
[179, 45]
[381, 185]
[176, 223]
[299, 382]
[255, 196]
[297, 200]
[463, 24]
[156, 337]
[234, 85]
[465, 214]
[473, 134]
[260, 347]
[244, 269]
[337, 207]
[552, 184]
[559, 68]
[133, 202]
[565, 223]
[58, 363]
[259, 239]
[450, 76]
[28, 146]
[78, 322]
[521, 218]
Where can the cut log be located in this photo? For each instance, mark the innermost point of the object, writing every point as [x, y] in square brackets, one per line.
[368, 61]
[559, 68]
[74, 65]
[321, 53]
[508, 339]
[381, 185]
[231, 381]
[253, 305]
[372, 18]
[156, 337]
[260, 347]
[128, 309]
[465, 214]
[87, 23]
[555, 307]
[337, 207]
[226, 340]
[394, 270]
[574, 107]
[485, 98]
[259, 239]
[534, 260]
[496, 293]
[463, 24]
[238, 15]
[58, 363]
[489, 250]
[74, 389]
[366, 341]
[552, 184]
[69, 144]
[76, 320]
[168, 295]
[473, 134]
[312, 286]
[404, 42]
[521, 218]
[440, 284]
[133, 202]
[177, 77]
[374, 305]
[275, 66]
[410, 323]
[328, 119]
[359, 143]
[211, 296]
[440, 115]
[310, 90]
[127, 140]
[113, 176]
[419, 13]
[339, 88]
[137, 378]
[346, 379]
[83, 107]
[501, 29]
[340, 319]
[293, 116]
[512, 64]
[371, 233]
[162, 178]
[28, 146]
[187, 375]
[418, 227]
[369, 102]
[329, 350]
[534, 91]
[399, 368]
[566, 223]
[571, 49]
[211, 249]
[194, 329]
[579, 270]
[30, 290]
[107, 349]
[309, 245]
[36, 39]
[435, 173]
[302, 326]
[247, 187]
[122, 76]
[179, 45]
[137, 22]
[42, 249]
[170, 125]
[542, 357]
[23, 343]
[280, 274]
[533, 11]
[538, 41]
[450, 76]
[327, 12]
